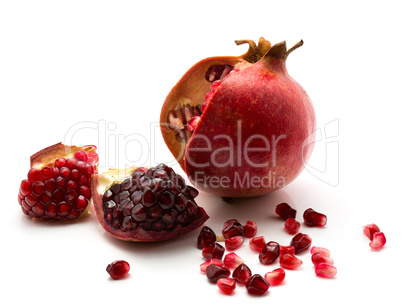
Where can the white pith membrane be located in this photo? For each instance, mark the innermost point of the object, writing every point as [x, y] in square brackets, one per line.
[114, 175]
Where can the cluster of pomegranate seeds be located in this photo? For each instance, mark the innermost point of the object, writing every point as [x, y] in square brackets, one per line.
[377, 237]
[324, 264]
[59, 191]
[313, 218]
[118, 269]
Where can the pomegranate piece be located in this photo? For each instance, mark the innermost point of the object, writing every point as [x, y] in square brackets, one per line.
[232, 260]
[258, 89]
[269, 253]
[206, 237]
[214, 272]
[322, 250]
[292, 226]
[250, 229]
[118, 269]
[145, 204]
[257, 285]
[215, 251]
[226, 285]
[234, 243]
[58, 183]
[370, 229]
[257, 243]
[313, 218]
[318, 258]
[242, 274]
[301, 242]
[232, 228]
[275, 277]
[203, 266]
[286, 250]
[378, 240]
[285, 211]
[325, 270]
[289, 262]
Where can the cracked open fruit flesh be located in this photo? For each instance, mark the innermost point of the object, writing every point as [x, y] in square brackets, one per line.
[141, 204]
[240, 126]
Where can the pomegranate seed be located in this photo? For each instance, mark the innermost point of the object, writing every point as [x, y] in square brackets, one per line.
[117, 269]
[257, 285]
[370, 229]
[269, 253]
[203, 266]
[289, 262]
[286, 250]
[250, 229]
[301, 242]
[292, 226]
[318, 258]
[242, 274]
[378, 240]
[232, 260]
[234, 243]
[321, 250]
[275, 277]
[325, 270]
[214, 272]
[257, 243]
[232, 228]
[285, 211]
[214, 251]
[226, 285]
[313, 218]
[81, 156]
[206, 237]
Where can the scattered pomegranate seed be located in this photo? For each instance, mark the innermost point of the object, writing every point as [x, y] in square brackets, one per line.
[318, 258]
[275, 277]
[301, 242]
[234, 243]
[285, 211]
[286, 250]
[257, 243]
[227, 285]
[324, 251]
[250, 229]
[242, 274]
[289, 262]
[214, 251]
[313, 218]
[117, 269]
[203, 266]
[206, 237]
[232, 260]
[269, 253]
[214, 272]
[257, 285]
[325, 270]
[292, 226]
[370, 229]
[378, 240]
[232, 228]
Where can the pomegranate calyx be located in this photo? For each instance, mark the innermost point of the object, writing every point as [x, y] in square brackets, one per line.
[280, 51]
[255, 52]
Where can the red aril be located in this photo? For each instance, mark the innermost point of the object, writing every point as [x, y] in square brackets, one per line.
[203, 266]
[118, 269]
[289, 262]
[286, 250]
[257, 285]
[226, 285]
[269, 253]
[234, 243]
[322, 250]
[232, 260]
[285, 211]
[206, 237]
[242, 106]
[301, 242]
[378, 240]
[215, 251]
[370, 229]
[257, 243]
[292, 226]
[313, 218]
[250, 229]
[242, 274]
[232, 228]
[318, 258]
[325, 270]
[214, 272]
[275, 277]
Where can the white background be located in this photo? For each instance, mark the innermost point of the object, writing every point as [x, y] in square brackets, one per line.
[89, 72]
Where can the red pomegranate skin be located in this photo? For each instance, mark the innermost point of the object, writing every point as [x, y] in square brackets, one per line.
[259, 107]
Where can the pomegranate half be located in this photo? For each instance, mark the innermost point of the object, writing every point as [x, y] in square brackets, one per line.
[240, 126]
[145, 204]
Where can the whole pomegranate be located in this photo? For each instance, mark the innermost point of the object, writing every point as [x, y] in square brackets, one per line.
[240, 126]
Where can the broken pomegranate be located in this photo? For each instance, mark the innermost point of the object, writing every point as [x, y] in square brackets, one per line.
[313, 218]
[240, 126]
[141, 204]
[118, 269]
[257, 285]
[59, 182]
[275, 277]
[226, 285]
